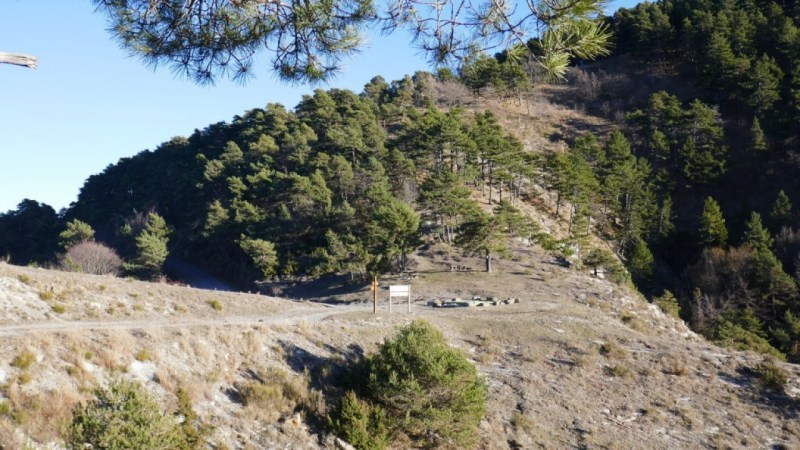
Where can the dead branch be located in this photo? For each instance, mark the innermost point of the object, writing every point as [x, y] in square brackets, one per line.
[18, 60]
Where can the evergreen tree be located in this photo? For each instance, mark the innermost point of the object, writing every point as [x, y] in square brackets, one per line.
[781, 211]
[29, 233]
[763, 84]
[446, 199]
[788, 336]
[756, 236]
[392, 233]
[665, 226]
[597, 258]
[757, 140]
[713, 232]
[75, 233]
[640, 262]
[483, 234]
[151, 247]
[262, 253]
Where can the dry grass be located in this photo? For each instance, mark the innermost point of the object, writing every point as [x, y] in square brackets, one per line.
[613, 350]
[272, 393]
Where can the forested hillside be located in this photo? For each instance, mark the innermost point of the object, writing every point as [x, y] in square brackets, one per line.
[693, 188]
[336, 185]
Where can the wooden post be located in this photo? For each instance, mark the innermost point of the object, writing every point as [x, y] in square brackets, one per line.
[375, 295]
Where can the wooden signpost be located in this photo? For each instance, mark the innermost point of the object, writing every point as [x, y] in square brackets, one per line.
[375, 295]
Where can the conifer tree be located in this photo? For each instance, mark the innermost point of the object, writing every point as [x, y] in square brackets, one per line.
[763, 84]
[76, 232]
[640, 262]
[757, 140]
[713, 232]
[665, 226]
[151, 247]
[781, 211]
[262, 253]
[756, 236]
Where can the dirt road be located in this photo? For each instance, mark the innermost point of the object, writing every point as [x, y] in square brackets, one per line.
[285, 318]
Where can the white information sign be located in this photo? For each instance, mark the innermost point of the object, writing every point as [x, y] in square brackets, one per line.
[400, 290]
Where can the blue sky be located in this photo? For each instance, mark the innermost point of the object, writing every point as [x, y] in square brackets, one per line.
[89, 104]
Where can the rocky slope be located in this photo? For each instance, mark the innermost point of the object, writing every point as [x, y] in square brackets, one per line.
[578, 363]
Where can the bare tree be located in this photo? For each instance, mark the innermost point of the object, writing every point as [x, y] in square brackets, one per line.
[93, 258]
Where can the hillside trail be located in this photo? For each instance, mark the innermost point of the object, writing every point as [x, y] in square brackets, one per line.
[290, 317]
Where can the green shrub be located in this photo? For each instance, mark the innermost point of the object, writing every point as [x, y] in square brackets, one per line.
[669, 304]
[771, 375]
[192, 433]
[428, 391]
[58, 308]
[360, 423]
[215, 304]
[737, 333]
[122, 416]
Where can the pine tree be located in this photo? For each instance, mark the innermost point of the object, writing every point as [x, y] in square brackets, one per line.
[640, 262]
[665, 227]
[756, 236]
[75, 233]
[483, 235]
[757, 140]
[781, 212]
[713, 232]
[262, 253]
[763, 84]
[151, 247]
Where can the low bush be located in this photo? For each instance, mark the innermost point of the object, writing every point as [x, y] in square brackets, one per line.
[125, 416]
[360, 423]
[668, 304]
[417, 385]
[215, 304]
[771, 375]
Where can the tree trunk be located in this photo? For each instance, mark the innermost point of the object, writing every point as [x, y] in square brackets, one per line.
[491, 179]
[500, 190]
[18, 60]
[483, 176]
[488, 262]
